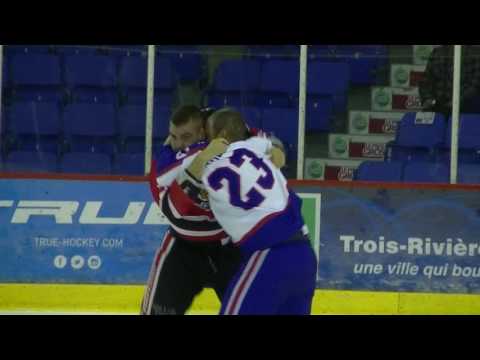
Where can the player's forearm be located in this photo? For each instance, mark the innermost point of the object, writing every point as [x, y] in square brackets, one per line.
[215, 148]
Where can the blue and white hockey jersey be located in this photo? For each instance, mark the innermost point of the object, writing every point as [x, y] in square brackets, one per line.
[249, 196]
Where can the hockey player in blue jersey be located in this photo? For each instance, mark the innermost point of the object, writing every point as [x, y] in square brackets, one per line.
[250, 199]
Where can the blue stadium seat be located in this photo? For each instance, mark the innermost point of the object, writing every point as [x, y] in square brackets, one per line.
[6, 84]
[230, 99]
[135, 145]
[139, 97]
[468, 174]
[66, 50]
[283, 123]
[34, 118]
[131, 120]
[188, 63]
[90, 70]
[20, 161]
[279, 83]
[468, 133]
[273, 51]
[133, 73]
[133, 80]
[91, 78]
[379, 171]
[90, 127]
[35, 69]
[5, 73]
[280, 76]
[365, 61]
[416, 140]
[252, 115]
[129, 164]
[38, 94]
[86, 163]
[34, 125]
[319, 114]
[161, 121]
[237, 76]
[235, 84]
[426, 172]
[321, 53]
[132, 124]
[94, 95]
[370, 49]
[35, 77]
[329, 80]
[125, 50]
[28, 49]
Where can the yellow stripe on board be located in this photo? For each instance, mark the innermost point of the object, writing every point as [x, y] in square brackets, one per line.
[125, 299]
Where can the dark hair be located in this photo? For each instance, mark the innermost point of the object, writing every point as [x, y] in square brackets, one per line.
[231, 122]
[186, 113]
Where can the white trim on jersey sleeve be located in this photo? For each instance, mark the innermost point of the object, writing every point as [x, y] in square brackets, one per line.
[166, 179]
[193, 233]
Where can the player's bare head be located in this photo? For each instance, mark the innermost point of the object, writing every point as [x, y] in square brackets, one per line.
[227, 123]
[187, 126]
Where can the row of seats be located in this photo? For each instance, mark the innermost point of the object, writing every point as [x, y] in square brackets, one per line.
[187, 60]
[75, 162]
[276, 83]
[294, 50]
[283, 122]
[420, 172]
[87, 127]
[85, 77]
[420, 138]
[366, 62]
[44, 125]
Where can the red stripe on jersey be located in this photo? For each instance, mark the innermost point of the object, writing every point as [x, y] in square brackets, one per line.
[153, 182]
[261, 223]
[163, 248]
[233, 304]
[184, 205]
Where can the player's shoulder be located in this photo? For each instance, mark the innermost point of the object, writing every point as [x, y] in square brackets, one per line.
[167, 157]
[260, 145]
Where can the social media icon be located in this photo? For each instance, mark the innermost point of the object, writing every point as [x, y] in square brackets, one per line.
[94, 262]
[60, 261]
[77, 262]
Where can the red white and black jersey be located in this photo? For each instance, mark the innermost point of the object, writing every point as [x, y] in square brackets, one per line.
[187, 220]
